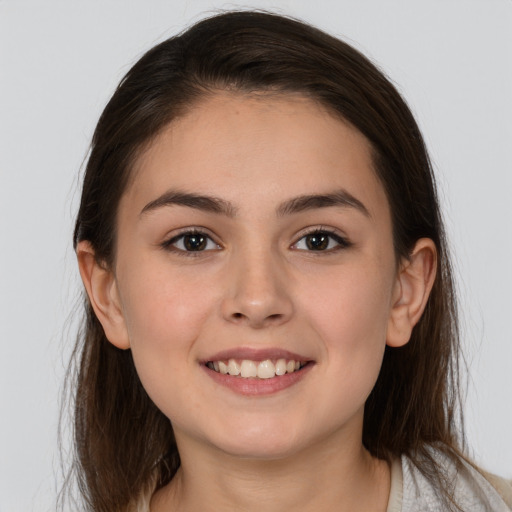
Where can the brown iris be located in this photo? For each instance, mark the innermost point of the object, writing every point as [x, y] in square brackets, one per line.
[195, 242]
[317, 241]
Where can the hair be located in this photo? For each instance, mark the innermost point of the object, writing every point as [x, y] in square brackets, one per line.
[124, 445]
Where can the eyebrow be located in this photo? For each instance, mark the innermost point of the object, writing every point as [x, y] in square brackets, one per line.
[340, 198]
[313, 201]
[199, 202]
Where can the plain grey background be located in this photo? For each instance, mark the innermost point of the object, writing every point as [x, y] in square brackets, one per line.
[59, 64]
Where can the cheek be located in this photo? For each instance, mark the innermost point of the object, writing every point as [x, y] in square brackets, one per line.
[165, 314]
[350, 313]
[163, 301]
[351, 306]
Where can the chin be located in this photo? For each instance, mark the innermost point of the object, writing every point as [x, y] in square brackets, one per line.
[259, 443]
[260, 451]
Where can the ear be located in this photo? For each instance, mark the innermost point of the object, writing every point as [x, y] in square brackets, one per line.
[101, 287]
[413, 284]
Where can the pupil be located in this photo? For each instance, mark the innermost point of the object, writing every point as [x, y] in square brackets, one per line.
[318, 241]
[195, 242]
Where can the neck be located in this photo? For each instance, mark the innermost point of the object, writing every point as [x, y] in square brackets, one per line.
[327, 476]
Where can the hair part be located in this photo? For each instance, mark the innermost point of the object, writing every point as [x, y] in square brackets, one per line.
[124, 444]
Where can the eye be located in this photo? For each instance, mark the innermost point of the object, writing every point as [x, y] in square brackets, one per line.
[191, 241]
[321, 241]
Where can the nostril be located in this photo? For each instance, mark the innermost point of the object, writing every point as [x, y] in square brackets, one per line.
[271, 318]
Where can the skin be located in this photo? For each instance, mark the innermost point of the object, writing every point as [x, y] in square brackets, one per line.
[258, 285]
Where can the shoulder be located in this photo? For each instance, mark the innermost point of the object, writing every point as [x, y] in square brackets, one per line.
[472, 490]
[502, 485]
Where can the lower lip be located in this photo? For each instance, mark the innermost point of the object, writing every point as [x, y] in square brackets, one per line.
[256, 387]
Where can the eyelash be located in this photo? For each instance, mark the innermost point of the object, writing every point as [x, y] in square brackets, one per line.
[342, 243]
[170, 245]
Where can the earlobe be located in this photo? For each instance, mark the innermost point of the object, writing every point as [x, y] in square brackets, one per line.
[414, 282]
[101, 288]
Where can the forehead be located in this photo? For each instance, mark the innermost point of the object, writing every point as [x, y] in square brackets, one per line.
[266, 146]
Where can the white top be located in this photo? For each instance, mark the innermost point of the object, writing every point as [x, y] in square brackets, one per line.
[412, 492]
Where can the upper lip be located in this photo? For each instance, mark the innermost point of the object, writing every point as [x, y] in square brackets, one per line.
[255, 354]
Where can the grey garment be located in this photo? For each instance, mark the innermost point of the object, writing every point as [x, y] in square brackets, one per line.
[412, 492]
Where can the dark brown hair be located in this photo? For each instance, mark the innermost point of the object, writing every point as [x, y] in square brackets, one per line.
[123, 442]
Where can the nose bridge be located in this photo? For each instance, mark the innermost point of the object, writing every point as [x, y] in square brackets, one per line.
[259, 292]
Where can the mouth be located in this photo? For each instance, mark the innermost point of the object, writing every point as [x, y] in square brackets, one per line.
[256, 369]
[257, 372]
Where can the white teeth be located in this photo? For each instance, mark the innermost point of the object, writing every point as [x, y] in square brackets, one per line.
[248, 369]
[261, 369]
[280, 366]
[266, 369]
[233, 367]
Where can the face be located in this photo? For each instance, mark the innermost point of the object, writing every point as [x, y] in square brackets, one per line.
[256, 238]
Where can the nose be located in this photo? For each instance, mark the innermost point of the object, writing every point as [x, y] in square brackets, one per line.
[258, 294]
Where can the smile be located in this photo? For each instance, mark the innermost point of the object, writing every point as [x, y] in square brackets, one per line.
[247, 368]
[257, 372]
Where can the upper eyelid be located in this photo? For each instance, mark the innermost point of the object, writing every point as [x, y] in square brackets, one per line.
[341, 239]
[193, 230]
[168, 244]
[319, 229]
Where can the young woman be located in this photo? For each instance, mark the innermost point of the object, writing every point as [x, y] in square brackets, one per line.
[270, 315]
